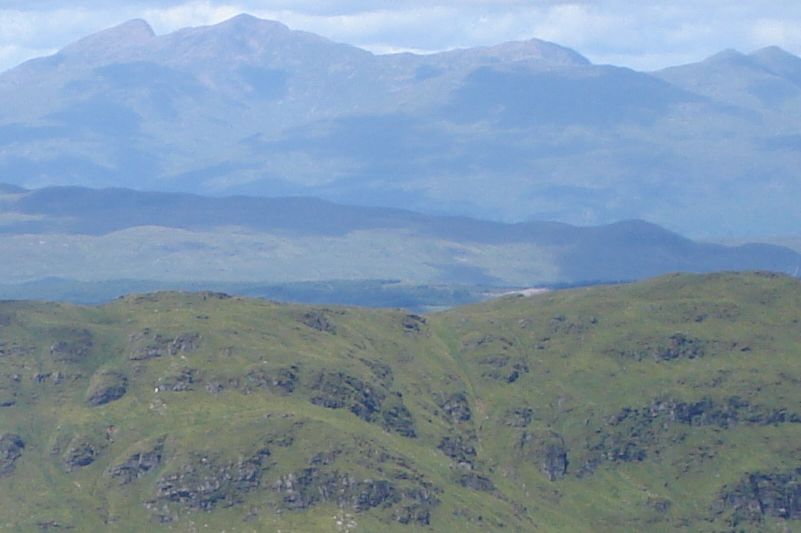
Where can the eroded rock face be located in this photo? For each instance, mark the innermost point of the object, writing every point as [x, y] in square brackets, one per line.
[81, 452]
[203, 483]
[138, 464]
[502, 367]
[628, 435]
[281, 381]
[381, 371]
[147, 344]
[764, 495]
[319, 321]
[183, 380]
[413, 323]
[519, 417]
[11, 447]
[106, 386]
[314, 486]
[456, 407]
[546, 449]
[670, 348]
[458, 449]
[396, 417]
[474, 481]
[337, 390]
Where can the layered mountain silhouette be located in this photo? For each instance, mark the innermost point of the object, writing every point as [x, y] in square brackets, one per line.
[520, 131]
[93, 235]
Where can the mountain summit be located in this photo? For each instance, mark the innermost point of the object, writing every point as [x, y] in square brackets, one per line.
[136, 32]
[518, 131]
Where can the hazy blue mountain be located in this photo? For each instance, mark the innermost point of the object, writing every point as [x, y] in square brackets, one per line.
[520, 131]
[121, 234]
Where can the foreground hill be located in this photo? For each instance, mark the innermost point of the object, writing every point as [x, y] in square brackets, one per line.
[666, 405]
[91, 235]
[519, 130]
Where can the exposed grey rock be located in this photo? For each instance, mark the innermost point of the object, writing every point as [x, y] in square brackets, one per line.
[105, 387]
[456, 407]
[548, 450]
[138, 464]
[312, 486]
[337, 390]
[455, 447]
[762, 495]
[502, 367]
[183, 380]
[474, 481]
[147, 344]
[280, 381]
[185, 343]
[382, 371]
[81, 452]
[204, 483]
[318, 320]
[519, 417]
[11, 447]
[413, 323]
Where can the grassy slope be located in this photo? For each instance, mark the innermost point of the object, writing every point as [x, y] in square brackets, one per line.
[569, 362]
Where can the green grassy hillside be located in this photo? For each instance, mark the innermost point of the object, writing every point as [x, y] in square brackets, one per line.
[668, 405]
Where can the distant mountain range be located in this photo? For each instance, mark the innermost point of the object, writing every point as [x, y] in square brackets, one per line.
[111, 234]
[520, 131]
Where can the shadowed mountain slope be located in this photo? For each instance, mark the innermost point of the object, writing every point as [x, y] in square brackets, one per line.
[91, 235]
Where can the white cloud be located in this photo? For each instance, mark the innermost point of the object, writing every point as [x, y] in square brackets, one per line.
[783, 33]
[190, 14]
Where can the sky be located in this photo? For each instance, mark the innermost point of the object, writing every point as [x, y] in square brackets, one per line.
[641, 34]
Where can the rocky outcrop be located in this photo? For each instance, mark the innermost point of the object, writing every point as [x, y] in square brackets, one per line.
[147, 344]
[413, 323]
[458, 449]
[81, 451]
[381, 371]
[455, 407]
[519, 417]
[763, 495]
[502, 367]
[673, 347]
[204, 483]
[106, 386]
[474, 481]
[416, 506]
[632, 432]
[183, 380]
[313, 486]
[281, 381]
[11, 447]
[337, 390]
[138, 464]
[546, 449]
[397, 418]
[319, 321]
